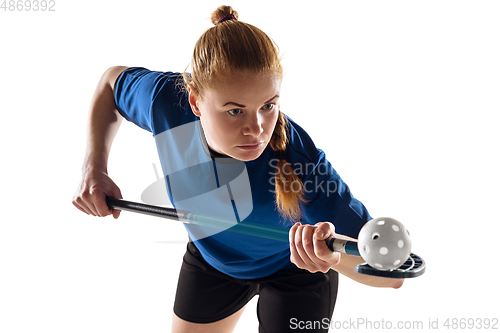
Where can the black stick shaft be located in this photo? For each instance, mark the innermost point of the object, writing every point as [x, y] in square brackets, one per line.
[260, 230]
[244, 227]
[169, 213]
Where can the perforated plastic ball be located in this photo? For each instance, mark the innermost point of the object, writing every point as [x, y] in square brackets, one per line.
[384, 243]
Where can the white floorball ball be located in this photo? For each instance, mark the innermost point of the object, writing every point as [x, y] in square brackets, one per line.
[384, 243]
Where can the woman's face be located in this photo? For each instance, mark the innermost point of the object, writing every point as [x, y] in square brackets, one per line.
[239, 114]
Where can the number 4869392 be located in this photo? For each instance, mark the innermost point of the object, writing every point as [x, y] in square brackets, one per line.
[28, 5]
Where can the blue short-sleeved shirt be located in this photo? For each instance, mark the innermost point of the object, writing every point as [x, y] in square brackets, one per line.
[199, 181]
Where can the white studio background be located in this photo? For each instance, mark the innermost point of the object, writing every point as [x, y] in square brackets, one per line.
[403, 97]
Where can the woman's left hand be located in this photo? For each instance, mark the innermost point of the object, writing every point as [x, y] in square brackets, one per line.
[308, 247]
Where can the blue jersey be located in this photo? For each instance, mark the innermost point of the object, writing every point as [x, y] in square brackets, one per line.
[201, 181]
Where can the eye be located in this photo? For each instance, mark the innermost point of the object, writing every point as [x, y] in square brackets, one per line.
[269, 106]
[234, 112]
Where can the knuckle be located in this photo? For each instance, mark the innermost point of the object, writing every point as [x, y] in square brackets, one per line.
[95, 190]
[80, 201]
[307, 243]
[76, 204]
[86, 195]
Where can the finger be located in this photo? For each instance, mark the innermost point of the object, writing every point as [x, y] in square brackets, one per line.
[116, 213]
[309, 246]
[99, 201]
[302, 241]
[294, 255]
[307, 241]
[118, 195]
[80, 207]
[325, 230]
[93, 208]
[84, 202]
[326, 255]
[291, 234]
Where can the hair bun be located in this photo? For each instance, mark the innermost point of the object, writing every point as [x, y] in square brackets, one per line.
[221, 12]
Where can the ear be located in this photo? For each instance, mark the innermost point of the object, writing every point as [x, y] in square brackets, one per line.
[193, 101]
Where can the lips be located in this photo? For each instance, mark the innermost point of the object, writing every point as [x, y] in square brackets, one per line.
[251, 146]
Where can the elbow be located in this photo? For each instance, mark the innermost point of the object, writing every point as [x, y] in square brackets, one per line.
[398, 283]
[112, 74]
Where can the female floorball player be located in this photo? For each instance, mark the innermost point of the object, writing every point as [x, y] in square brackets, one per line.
[227, 109]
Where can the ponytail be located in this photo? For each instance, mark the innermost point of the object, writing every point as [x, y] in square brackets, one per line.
[289, 188]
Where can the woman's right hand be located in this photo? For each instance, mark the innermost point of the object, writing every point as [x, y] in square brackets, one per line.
[90, 196]
[104, 122]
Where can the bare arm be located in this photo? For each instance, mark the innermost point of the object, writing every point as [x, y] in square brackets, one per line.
[103, 124]
[104, 121]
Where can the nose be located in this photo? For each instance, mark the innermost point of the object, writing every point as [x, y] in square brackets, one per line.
[253, 125]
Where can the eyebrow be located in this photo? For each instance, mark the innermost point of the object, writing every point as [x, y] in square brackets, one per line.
[242, 106]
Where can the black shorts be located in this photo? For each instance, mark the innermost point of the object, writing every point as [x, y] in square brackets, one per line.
[287, 299]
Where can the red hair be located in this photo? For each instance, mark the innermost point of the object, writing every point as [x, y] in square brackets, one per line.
[232, 45]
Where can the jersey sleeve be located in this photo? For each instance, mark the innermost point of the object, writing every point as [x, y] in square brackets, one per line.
[135, 92]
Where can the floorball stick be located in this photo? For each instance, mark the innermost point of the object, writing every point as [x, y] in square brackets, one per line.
[414, 266]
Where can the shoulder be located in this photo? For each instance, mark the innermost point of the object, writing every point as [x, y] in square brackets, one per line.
[155, 100]
[148, 81]
[301, 146]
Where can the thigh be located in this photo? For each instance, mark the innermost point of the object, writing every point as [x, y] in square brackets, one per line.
[225, 325]
[205, 295]
[297, 299]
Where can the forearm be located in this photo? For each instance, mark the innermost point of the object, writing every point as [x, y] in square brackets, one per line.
[103, 122]
[347, 267]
